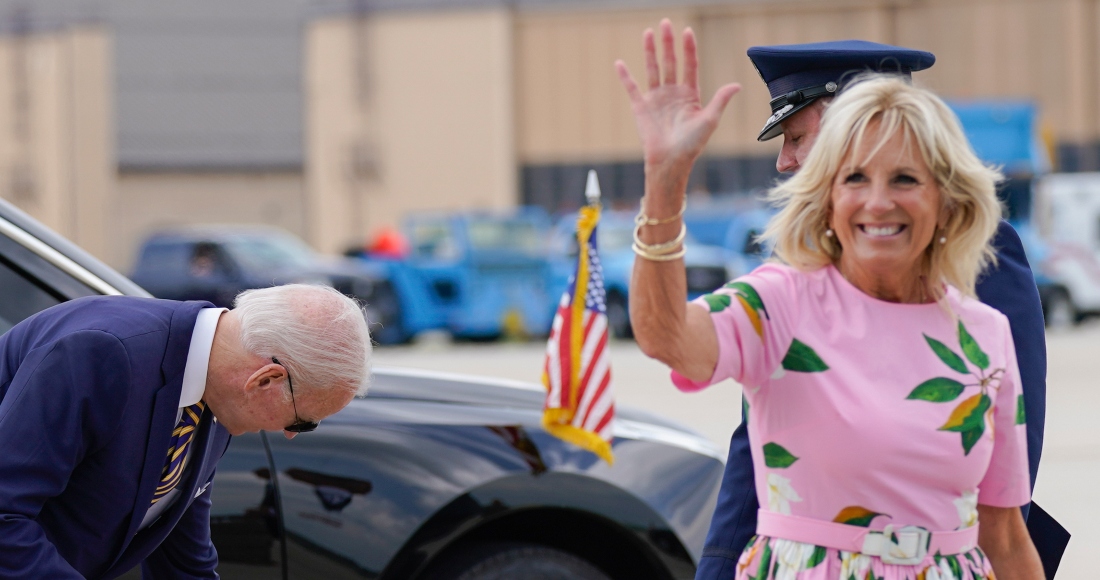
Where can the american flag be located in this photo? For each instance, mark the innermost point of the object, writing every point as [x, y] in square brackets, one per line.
[579, 405]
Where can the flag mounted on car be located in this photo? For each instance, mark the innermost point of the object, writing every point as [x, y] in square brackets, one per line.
[579, 405]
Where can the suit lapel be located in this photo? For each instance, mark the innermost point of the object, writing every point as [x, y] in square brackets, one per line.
[165, 406]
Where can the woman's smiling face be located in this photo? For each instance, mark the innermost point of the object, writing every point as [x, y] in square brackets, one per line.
[885, 212]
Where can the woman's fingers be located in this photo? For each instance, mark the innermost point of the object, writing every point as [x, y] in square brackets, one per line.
[721, 98]
[653, 73]
[668, 46]
[627, 80]
[691, 60]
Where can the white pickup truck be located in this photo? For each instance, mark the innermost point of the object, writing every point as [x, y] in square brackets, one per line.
[1065, 250]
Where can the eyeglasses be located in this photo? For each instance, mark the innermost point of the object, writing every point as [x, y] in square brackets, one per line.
[298, 426]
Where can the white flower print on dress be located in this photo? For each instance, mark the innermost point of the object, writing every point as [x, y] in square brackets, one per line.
[854, 565]
[781, 494]
[941, 571]
[792, 558]
[967, 506]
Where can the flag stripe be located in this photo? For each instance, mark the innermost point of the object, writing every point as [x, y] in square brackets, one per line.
[595, 412]
[592, 350]
[600, 372]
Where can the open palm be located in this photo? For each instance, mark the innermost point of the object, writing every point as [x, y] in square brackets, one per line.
[672, 122]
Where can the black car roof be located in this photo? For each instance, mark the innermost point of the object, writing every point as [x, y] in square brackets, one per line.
[70, 250]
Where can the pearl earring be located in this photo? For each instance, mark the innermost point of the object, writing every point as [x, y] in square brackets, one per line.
[943, 239]
[828, 232]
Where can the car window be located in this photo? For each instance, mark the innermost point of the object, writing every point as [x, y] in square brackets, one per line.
[259, 254]
[433, 240]
[164, 259]
[20, 295]
[514, 236]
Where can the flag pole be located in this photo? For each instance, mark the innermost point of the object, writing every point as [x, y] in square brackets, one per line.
[579, 405]
[592, 188]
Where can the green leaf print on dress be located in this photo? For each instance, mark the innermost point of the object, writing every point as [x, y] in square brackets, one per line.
[777, 456]
[752, 305]
[1021, 417]
[780, 491]
[971, 349]
[969, 417]
[718, 302]
[855, 515]
[947, 355]
[750, 302]
[817, 557]
[938, 390]
[801, 358]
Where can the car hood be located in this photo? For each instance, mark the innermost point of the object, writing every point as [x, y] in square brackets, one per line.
[435, 387]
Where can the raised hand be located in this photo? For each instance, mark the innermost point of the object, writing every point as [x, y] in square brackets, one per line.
[674, 126]
[672, 122]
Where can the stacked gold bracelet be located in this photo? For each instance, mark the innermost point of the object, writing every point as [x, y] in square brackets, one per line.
[665, 251]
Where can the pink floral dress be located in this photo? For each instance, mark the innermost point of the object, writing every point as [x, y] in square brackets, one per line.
[869, 413]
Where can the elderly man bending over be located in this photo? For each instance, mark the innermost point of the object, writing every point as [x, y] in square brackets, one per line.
[114, 412]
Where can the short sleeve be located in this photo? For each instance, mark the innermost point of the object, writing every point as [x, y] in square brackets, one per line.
[754, 319]
[1007, 482]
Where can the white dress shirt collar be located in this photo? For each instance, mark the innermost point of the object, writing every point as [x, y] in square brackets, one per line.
[198, 356]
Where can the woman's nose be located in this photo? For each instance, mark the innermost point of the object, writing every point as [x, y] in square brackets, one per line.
[879, 198]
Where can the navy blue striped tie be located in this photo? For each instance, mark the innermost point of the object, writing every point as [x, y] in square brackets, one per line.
[177, 451]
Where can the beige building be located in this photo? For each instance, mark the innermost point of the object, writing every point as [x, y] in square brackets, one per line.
[407, 112]
[458, 108]
[56, 144]
[333, 124]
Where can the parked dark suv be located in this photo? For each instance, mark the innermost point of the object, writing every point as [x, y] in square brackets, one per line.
[216, 263]
[429, 477]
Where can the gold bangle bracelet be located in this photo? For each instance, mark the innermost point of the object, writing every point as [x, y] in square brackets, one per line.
[643, 220]
[663, 247]
[642, 253]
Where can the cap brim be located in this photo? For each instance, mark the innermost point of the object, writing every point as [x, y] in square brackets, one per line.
[774, 128]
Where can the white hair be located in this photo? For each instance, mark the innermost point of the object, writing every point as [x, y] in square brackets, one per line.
[318, 334]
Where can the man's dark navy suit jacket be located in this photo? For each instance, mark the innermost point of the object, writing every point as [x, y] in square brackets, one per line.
[1010, 288]
[89, 392]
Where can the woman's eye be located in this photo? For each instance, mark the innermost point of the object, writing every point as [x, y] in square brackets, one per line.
[906, 180]
[855, 177]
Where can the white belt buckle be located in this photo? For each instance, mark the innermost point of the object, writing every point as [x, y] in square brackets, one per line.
[905, 546]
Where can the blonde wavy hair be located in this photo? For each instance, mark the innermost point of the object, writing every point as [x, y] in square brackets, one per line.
[967, 186]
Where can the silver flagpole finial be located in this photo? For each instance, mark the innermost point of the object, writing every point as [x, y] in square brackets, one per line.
[592, 188]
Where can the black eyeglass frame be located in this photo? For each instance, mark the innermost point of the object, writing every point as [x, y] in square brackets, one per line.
[298, 426]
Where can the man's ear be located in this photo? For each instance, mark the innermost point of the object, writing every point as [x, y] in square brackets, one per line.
[266, 377]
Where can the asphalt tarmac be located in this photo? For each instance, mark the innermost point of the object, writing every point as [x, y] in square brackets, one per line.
[1068, 486]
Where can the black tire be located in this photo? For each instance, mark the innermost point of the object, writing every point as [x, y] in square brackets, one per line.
[618, 316]
[384, 316]
[514, 560]
[1058, 309]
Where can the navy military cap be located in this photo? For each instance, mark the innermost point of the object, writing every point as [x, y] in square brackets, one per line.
[797, 74]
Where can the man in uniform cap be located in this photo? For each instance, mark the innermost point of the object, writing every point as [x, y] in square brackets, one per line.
[801, 78]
